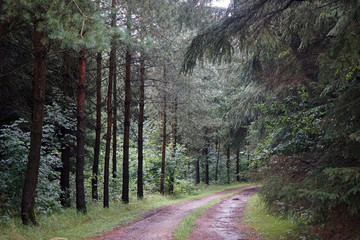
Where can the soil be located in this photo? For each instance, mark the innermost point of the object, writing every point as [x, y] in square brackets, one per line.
[224, 219]
[219, 221]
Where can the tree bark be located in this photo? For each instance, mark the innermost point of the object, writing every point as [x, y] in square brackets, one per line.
[217, 160]
[174, 142]
[237, 165]
[94, 181]
[197, 171]
[65, 147]
[125, 187]
[228, 165]
[140, 190]
[113, 66]
[163, 149]
[108, 131]
[205, 153]
[80, 135]
[114, 161]
[39, 85]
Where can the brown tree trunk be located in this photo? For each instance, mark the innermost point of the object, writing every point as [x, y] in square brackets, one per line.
[39, 85]
[205, 153]
[228, 165]
[65, 147]
[114, 161]
[197, 171]
[108, 131]
[163, 149]
[94, 181]
[174, 142]
[217, 160]
[140, 190]
[237, 165]
[125, 187]
[80, 135]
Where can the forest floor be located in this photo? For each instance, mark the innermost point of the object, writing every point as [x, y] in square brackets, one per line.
[220, 221]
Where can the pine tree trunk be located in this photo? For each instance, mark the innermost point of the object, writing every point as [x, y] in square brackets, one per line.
[217, 160]
[80, 135]
[140, 190]
[125, 187]
[197, 171]
[39, 85]
[65, 147]
[113, 66]
[228, 165]
[174, 142]
[163, 149]
[108, 131]
[237, 165]
[205, 153]
[94, 181]
[114, 161]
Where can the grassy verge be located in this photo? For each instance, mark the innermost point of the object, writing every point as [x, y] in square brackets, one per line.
[267, 225]
[188, 223]
[70, 224]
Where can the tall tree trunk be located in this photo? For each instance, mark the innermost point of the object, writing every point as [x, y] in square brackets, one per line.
[217, 160]
[197, 171]
[140, 190]
[163, 149]
[237, 164]
[109, 111]
[32, 171]
[94, 181]
[65, 147]
[114, 161]
[108, 129]
[205, 153]
[174, 142]
[80, 135]
[125, 187]
[228, 165]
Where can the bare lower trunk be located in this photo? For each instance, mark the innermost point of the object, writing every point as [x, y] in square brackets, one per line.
[205, 153]
[125, 187]
[140, 190]
[80, 136]
[163, 151]
[228, 165]
[65, 145]
[94, 181]
[39, 85]
[197, 171]
[217, 160]
[237, 165]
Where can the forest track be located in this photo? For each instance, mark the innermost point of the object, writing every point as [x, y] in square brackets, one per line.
[222, 221]
[160, 224]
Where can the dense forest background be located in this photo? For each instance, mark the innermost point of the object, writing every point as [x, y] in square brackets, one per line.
[104, 99]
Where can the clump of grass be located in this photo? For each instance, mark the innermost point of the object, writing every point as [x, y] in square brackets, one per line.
[265, 224]
[70, 224]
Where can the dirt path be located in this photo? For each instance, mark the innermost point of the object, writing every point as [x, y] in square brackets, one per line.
[160, 224]
[223, 220]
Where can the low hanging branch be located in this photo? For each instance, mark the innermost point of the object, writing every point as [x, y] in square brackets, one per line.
[247, 19]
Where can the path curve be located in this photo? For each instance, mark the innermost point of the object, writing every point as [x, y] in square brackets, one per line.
[160, 224]
[223, 220]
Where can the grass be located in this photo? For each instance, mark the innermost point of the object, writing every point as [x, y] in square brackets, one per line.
[70, 224]
[265, 224]
[188, 223]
